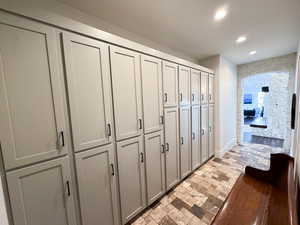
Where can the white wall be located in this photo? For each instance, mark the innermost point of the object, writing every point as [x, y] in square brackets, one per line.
[226, 102]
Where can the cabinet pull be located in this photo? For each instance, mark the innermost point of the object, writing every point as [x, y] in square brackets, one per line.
[68, 188]
[210, 129]
[180, 95]
[142, 157]
[108, 130]
[162, 148]
[202, 131]
[166, 97]
[193, 97]
[167, 147]
[202, 97]
[112, 169]
[193, 135]
[140, 124]
[181, 140]
[61, 139]
[209, 96]
[162, 119]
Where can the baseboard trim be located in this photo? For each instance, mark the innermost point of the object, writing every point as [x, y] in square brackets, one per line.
[228, 146]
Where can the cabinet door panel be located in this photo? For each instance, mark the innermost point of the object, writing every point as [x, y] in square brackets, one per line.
[31, 102]
[126, 80]
[211, 131]
[131, 177]
[195, 86]
[152, 93]
[170, 83]
[204, 88]
[184, 85]
[211, 95]
[155, 165]
[97, 186]
[185, 141]
[172, 147]
[196, 138]
[204, 132]
[89, 90]
[39, 194]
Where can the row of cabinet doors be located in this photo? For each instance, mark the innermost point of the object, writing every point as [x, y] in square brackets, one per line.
[146, 168]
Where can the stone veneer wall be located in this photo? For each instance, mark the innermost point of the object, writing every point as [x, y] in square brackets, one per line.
[282, 64]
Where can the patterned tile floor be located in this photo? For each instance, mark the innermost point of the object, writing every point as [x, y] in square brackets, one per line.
[197, 200]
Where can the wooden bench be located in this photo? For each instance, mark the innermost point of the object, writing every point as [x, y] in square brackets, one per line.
[263, 197]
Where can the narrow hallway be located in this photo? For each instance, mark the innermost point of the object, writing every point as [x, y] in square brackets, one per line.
[197, 199]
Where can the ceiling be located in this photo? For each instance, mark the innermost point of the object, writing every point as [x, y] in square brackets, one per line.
[272, 27]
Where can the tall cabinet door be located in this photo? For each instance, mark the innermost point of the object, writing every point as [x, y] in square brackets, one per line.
[195, 86]
[152, 93]
[97, 186]
[42, 194]
[31, 103]
[126, 80]
[196, 138]
[211, 96]
[89, 90]
[185, 141]
[170, 84]
[155, 165]
[184, 85]
[211, 131]
[204, 132]
[204, 88]
[172, 147]
[131, 160]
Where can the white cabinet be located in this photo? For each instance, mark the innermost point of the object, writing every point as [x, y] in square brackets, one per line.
[89, 88]
[204, 88]
[195, 86]
[152, 93]
[42, 194]
[184, 85]
[204, 132]
[155, 165]
[196, 138]
[185, 141]
[211, 130]
[31, 104]
[126, 82]
[96, 172]
[172, 147]
[131, 160]
[170, 84]
[211, 96]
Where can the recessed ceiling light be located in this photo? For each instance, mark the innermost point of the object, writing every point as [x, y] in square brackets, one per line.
[252, 52]
[241, 39]
[220, 14]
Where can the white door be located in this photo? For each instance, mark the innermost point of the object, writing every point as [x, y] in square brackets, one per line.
[31, 104]
[195, 86]
[42, 194]
[196, 138]
[155, 165]
[89, 89]
[211, 96]
[204, 88]
[96, 172]
[152, 93]
[131, 160]
[126, 82]
[170, 84]
[184, 85]
[185, 141]
[211, 131]
[204, 133]
[172, 147]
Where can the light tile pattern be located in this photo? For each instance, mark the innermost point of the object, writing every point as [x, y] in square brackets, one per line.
[197, 200]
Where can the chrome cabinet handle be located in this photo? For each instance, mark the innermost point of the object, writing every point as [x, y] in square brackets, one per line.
[202, 131]
[166, 97]
[193, 97]
[167, 147]
[108, 130]
[202, 97]
[142, 157]
[162, 148]
[140, 124]
[193, 136]
[181, 140]
[61, 140]
[112, 169]
[180, 95]
[68, 189]
[161, 119]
